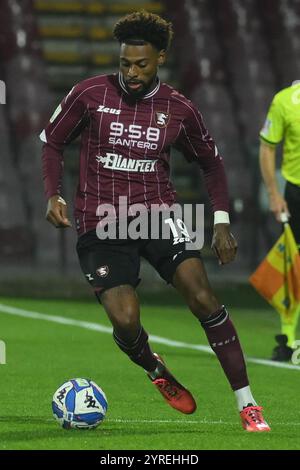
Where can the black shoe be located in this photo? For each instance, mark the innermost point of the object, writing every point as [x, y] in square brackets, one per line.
[282, 352]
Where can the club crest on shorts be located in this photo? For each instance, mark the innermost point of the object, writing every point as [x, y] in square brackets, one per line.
[162, 119]
[102, 271]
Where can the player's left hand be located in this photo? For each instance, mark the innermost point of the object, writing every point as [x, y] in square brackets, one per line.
[223, 243]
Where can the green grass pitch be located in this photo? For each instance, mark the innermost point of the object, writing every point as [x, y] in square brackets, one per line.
[43, 354]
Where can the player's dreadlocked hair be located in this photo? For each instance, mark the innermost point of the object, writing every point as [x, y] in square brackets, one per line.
[141, 27]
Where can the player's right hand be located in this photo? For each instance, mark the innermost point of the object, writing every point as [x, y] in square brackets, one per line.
[278, 205]
[57, 212]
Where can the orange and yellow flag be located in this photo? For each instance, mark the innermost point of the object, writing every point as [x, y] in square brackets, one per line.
[277, 278]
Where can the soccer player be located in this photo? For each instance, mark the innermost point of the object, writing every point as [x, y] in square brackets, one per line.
[128, 122]
[283, 125]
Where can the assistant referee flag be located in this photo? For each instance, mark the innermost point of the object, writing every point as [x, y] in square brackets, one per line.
[277, 278]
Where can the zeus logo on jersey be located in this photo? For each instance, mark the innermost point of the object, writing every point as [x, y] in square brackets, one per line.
[103, 109]
[113, 161]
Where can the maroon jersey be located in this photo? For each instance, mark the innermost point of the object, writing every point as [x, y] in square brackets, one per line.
[125, 146]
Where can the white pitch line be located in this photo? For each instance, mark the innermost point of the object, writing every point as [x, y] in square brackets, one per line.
[177, 421]
[105, 329]
[163, 421]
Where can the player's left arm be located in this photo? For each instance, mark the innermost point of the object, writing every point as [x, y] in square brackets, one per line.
[197, 145]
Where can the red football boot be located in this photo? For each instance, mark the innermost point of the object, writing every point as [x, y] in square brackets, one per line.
[173, 392]
[252, 419]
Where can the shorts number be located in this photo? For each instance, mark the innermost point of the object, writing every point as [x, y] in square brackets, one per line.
[180, 224]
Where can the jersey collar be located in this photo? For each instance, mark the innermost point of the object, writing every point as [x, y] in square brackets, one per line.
[148, 95]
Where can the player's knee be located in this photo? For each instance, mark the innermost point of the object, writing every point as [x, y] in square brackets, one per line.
[203, 303]
[126, 321]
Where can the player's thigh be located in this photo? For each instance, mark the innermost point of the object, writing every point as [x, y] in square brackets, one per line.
[190, 276]
[106, 265]
[166, 252]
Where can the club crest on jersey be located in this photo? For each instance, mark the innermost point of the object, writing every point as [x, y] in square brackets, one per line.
[162, 119]
[102, 271]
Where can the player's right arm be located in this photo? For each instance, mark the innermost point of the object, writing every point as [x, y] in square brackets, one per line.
[65, 124]
[267, 160]
[56, 212]
[272, 134]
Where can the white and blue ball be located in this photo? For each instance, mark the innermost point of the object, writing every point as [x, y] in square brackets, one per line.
[79, 404]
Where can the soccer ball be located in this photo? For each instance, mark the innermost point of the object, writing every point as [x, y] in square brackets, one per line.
[79, 404]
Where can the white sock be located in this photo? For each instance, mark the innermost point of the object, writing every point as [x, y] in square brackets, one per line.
[244, 398]
[156, 373]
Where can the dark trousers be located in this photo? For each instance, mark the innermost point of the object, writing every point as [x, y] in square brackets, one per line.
[292, 197]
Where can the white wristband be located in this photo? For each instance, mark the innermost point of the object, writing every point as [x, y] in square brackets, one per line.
[221, 217]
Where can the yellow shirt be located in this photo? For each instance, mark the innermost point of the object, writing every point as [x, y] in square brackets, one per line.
[283, 124]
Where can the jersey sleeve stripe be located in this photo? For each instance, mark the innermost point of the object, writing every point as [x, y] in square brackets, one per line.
[67, 111]
[195, 115]
[268, 141]
[189, 141]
